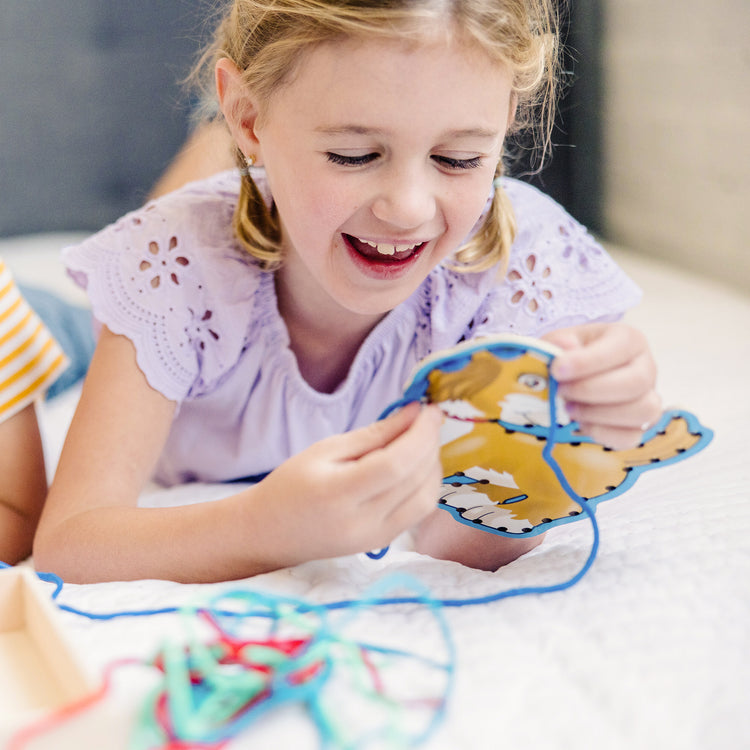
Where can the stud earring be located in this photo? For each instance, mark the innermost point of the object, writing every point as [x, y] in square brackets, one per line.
[249, 162]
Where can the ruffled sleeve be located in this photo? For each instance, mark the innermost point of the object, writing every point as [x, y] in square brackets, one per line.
[170, 277]
[558, 275]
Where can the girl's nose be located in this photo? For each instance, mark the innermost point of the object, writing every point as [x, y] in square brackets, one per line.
[405, 200]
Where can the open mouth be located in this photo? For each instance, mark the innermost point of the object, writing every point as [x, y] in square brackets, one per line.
[383, 252]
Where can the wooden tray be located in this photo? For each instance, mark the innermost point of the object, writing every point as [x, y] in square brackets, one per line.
[39, 671]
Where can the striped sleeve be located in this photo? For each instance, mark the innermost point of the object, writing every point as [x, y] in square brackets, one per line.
[30, 359]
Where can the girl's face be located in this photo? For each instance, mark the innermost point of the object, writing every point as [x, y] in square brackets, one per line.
[380, 159]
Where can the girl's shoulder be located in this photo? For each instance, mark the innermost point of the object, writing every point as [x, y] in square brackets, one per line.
[196, 215]
[172, 278]
[542, 224]
[201, 210]
[557, 274]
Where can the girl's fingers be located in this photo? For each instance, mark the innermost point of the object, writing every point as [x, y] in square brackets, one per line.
[404, 476]
[358, 443]
[344, 489]
[617, 438]
[607, 377]
[620, 384]
[421, 502]
[420, 438]
[638, 414]
[389, 453]
[595, 348]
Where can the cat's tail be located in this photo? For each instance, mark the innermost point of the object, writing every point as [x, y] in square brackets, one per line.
[673, 437]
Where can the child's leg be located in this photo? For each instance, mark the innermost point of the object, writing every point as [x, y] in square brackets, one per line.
[441, 536]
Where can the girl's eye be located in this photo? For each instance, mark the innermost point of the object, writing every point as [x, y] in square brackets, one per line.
[350, 161]
[533, 382]
[446, 161]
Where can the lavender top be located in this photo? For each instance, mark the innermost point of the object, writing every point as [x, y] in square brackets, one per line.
[205, 324]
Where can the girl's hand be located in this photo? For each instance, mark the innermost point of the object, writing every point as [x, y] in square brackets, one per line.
[356, 491]
[607, 378]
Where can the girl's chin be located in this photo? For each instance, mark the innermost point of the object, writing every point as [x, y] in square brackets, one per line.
[371, 301]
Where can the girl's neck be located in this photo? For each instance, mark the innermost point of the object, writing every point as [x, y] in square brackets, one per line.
[324, 338]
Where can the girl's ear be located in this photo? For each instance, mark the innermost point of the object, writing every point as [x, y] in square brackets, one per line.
[238, 107]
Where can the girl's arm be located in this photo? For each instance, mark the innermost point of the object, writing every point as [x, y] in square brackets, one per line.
[345, 494]
[23, 484]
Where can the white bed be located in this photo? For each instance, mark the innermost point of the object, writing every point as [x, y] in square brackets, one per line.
[651, 649]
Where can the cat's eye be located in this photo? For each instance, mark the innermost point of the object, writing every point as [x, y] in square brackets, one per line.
[532, 382]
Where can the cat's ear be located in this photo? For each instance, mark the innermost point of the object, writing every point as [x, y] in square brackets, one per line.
[477, 374]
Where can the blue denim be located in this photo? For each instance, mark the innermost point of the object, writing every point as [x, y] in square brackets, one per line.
[72, 328]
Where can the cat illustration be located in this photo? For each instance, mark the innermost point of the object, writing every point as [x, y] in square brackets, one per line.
[496, 402]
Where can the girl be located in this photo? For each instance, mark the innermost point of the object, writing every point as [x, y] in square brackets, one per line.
[255, 324]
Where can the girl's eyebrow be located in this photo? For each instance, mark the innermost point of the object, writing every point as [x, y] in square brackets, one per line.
[477, 132]
[348, 130]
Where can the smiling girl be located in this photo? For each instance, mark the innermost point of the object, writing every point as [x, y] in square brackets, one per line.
[255, 324]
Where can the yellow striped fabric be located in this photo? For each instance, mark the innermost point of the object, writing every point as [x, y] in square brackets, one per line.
[30, 359]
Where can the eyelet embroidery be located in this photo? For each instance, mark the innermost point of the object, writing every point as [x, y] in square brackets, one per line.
[200, 331]
[162, 264]
[583, 253]
[530, 279]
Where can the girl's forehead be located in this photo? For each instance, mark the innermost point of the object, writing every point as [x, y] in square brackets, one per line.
[391, 59]
[384, 79]
[432, 35]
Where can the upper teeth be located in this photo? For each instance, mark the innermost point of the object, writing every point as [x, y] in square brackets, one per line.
[388, 248]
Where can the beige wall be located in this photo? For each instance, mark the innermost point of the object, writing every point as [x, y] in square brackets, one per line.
[676, 112]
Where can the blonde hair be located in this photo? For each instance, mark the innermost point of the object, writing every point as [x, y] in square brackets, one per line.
[266, 39]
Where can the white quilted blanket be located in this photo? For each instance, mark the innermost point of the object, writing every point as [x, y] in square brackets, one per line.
[651, 649]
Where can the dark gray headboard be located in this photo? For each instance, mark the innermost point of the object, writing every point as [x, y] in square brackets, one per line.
[91, 106]
[91, 109]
